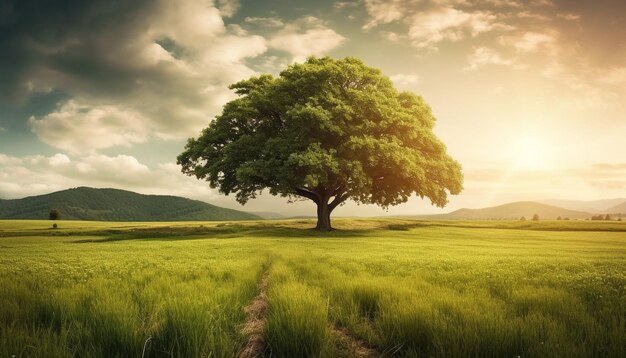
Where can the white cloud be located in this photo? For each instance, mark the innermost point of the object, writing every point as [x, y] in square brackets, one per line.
[265, 21]
[78, 128]
[228, 8]
[384, 12]
[529, 41]
[429, 28]
[569, 17]
[59, 160]
[340, 5]
[429, 23]
[486, 56]
[307, 36]
[404, 80]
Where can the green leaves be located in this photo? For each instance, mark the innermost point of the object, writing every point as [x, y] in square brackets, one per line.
[326, 128]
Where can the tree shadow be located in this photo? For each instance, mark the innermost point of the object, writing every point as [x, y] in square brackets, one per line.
[230, 231]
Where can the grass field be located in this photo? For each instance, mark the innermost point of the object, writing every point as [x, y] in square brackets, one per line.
[376, 287]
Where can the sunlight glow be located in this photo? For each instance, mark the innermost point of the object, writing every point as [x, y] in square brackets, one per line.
[529, 153]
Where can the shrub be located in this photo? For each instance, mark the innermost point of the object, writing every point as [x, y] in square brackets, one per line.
[55, 214]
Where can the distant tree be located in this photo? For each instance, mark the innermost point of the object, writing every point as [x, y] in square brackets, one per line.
[566, 218]
[535, 217]
[523, 218]
[326, 130]
[55, 214]
[559, 218]
[607, 217]
[620, 219]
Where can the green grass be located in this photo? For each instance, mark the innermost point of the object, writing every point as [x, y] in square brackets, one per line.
[409, 288]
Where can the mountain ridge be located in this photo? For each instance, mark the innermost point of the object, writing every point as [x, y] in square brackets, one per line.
[108, 204]
[617, 209]
[591, 206]
[513, 211]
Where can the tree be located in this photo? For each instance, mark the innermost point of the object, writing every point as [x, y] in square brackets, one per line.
[55, 214]
[536, 217]
[326, 130]
[559, 218]
[523, 218]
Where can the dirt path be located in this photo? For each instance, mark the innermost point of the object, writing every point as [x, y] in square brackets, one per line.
[255, 322]
[356, 347]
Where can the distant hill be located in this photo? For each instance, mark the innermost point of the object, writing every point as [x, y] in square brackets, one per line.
[591, 206]
[269, 215]
[617, 209]
[515, 211]
[116, 205]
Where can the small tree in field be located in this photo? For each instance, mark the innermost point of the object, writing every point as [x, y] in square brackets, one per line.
[328, 131]
[535, 217]
[523, 218]
[55, 214]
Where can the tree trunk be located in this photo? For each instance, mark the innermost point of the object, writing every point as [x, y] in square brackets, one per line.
[323, 216]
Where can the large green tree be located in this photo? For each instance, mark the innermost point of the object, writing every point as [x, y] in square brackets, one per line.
[326, 130]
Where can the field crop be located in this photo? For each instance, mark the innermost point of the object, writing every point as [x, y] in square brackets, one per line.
[376, 287]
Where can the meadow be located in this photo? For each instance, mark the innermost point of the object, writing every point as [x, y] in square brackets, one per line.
[375, 287]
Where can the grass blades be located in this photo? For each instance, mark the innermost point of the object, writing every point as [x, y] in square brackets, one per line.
[406, 289]
[297, 319]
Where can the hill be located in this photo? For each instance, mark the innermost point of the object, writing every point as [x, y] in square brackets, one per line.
[591, 206]
[116, 205]
[515, 211]
[617, 209]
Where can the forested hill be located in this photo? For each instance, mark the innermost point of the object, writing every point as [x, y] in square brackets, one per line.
[116, 205]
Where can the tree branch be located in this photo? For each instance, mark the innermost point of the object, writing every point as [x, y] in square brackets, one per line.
[339, 198]
[308, 194]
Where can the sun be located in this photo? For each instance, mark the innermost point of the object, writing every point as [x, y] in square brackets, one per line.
[529, 153]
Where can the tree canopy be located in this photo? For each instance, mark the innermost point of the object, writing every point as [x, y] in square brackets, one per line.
[327, 130]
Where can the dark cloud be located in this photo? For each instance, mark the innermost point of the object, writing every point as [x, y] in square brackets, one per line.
[52, 40]
[165, 63]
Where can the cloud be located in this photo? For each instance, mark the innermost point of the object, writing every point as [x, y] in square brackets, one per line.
[228, 8]
[404, 80]
[77, 127]
[530, 41]
[265, 21]
[569, 17]
[384, 12]
[340, 5]
[613, 76]
[428, 28]
[485, 56]
[136, 70]
[429, 23]
[306, 36]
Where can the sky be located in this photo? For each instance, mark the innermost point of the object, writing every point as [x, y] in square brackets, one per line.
[529, 96]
